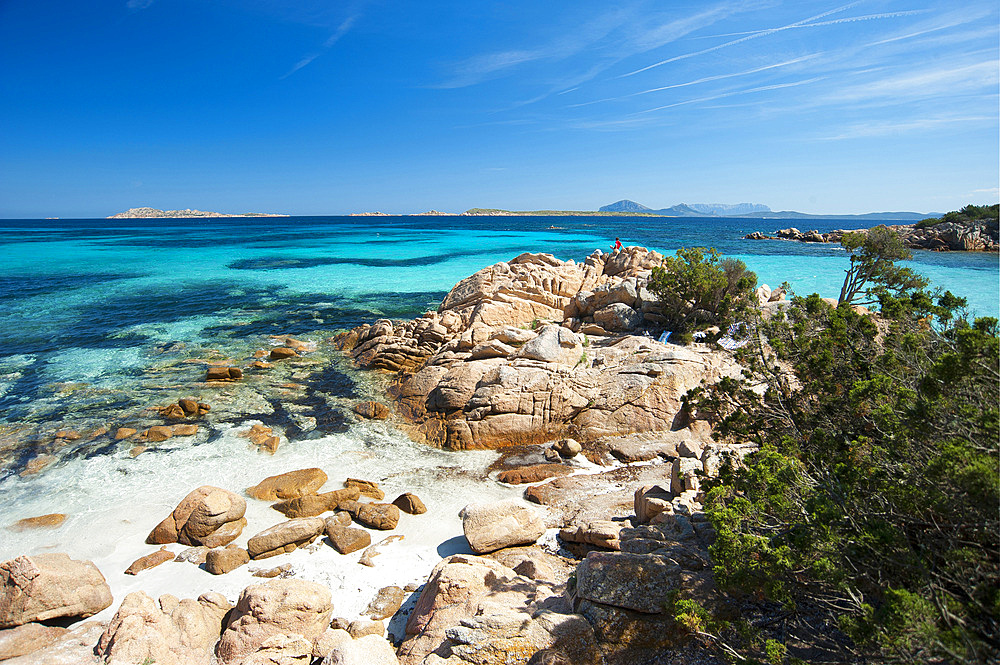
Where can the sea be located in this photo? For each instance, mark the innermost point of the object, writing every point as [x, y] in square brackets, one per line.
[102, 320]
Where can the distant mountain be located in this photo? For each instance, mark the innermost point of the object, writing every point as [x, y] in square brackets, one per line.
[624, 206]
[750, 211]
[729, 209]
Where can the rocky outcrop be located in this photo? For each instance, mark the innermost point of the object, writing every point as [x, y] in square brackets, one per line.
[536, 349]
[50, 586]
[477, 610]
[278, 607]
[977, 236]
[209, 516]
[170, 632]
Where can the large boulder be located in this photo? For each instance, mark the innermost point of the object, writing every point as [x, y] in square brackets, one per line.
[209, 516]
[281, 649]
[290, 485]
[50, 586]
[641, 582]
[492, 526]
[287, 607]
[171, 632]
[618, 317]
[285, 537]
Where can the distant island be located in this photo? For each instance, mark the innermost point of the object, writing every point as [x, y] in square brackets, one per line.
[150, 213]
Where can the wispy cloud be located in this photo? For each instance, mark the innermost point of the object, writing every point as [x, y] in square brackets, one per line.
[705, 79]
[734, 93]
[811, 22]
[895, 127]
[613, 37]
[136, 5]
[952, 78]
[341, 30]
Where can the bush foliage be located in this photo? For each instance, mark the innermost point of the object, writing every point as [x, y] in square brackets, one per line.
[698, 289]
[875, 497]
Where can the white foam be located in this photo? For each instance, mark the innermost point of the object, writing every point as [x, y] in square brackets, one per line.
[113, 501]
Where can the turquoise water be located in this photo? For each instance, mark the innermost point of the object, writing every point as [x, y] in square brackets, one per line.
[91, 307]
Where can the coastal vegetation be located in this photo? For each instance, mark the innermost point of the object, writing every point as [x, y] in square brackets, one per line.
[967, 215]
[866, 525]
[698, 289]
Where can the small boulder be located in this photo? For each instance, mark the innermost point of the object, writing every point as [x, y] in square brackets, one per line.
[153, 560]
[384, 516]
[50, 586]
[289, 485]
[282, 352]
[410, 503]
[567, 448]
[188, 406]
[311, 505]
[284, 537]
[189, 429]
[124, 433]
[492, 526]
[366, 487]
[346, 539]
[221, 561]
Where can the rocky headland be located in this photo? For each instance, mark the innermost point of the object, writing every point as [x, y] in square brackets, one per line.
[552, 363]
[976, 236]
[151, 213]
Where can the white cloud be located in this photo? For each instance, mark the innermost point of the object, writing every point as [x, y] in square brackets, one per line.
[136, 5]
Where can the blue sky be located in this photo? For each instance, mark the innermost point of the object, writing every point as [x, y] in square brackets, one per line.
[307, 107]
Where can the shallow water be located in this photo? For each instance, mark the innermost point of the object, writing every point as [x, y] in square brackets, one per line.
[101, 319]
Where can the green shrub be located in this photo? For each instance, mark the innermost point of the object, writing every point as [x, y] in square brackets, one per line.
[698, 289]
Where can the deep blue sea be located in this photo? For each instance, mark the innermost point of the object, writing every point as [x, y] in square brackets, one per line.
[101, 320]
